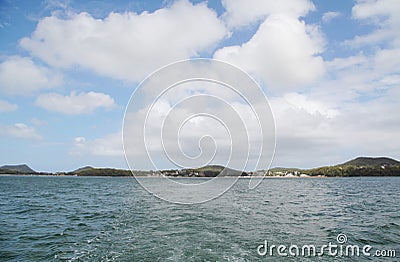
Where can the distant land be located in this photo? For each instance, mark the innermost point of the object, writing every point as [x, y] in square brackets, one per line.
[24, 168]
[360, 166]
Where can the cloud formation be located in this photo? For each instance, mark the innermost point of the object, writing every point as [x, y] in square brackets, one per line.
[108, 146]
[7, 107]
[384, 16]
[283, 53]
[332, 98]
[75, 103]
[126, 46]
[21, 76]
[241, 13]
[329, 16]
[19, 130]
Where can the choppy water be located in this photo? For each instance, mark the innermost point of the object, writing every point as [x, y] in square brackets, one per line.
[114, 219]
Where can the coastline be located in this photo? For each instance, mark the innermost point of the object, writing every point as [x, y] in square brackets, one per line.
[184, 177]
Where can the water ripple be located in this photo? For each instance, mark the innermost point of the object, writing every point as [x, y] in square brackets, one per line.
[114, 219]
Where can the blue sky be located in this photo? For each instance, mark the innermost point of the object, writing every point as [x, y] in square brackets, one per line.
[330, 70]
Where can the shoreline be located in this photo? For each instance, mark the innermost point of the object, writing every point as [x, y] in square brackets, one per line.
[133, 176]
[184, 177]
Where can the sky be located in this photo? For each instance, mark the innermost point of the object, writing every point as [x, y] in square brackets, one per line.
[330, 71]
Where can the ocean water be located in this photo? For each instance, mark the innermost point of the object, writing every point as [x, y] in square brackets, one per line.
[115, 219]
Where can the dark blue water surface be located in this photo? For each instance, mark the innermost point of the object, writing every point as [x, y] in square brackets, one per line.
[114, 219]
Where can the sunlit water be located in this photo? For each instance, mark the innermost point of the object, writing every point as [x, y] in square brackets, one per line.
[106, 219]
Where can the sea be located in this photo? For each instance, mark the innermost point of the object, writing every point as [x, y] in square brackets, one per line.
[48, 218]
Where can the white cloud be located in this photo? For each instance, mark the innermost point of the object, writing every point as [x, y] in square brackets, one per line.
[391, 80]
[346, 63]
[362, 74]
[384, 15]
[301, 102]
[7, 107]
[351, 110]
[283, 53]
[240, 13]
[190, 123]
[110, 145]
[387, 60]
[299, 116]
[82, 103]
[127, 46]
[364, 90]
[21, 76]
[329, 16]
[377, 11]
[19, 130]
[369, 74]
[313, 132]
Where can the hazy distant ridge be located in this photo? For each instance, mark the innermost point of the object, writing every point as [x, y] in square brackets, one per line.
[24, 168]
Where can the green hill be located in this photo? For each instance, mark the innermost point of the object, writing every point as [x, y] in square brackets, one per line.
[14, 169]
[371, 161]
[91, 171]
[83, 169]
[361, 166]
[215, 170]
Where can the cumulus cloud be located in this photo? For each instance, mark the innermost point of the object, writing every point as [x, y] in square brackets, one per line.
[21, 76]
[282, 53]
[110, 145]
[240, 13]
[350, 111]
[372, 74]
[127, 45]
[317, 131]
[19, 130]
[362, 75]
[301, 102]
[384, 15]
[7, 107]
[75, 103]
[200, 140]
[300, 117]
[328, 16]
[364, 89]
[198, 124]
[377, 11]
